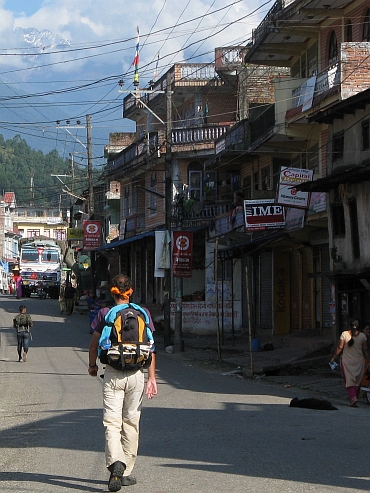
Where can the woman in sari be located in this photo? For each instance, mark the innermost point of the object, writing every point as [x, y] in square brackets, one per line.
[353, 345]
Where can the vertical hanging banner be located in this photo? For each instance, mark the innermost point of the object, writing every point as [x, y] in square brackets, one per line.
[182, 253]
[135, 63]
[92, 235]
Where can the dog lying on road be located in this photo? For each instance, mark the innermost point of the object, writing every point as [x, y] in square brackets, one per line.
[313, 403]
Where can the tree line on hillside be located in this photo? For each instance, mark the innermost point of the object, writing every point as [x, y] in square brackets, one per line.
[27, 172]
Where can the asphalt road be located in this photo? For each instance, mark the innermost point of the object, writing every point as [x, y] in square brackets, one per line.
[204, 432]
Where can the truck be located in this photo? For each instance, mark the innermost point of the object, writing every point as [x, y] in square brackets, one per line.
[40, 266]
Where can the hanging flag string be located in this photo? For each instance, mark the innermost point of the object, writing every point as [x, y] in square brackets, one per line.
[136, 59]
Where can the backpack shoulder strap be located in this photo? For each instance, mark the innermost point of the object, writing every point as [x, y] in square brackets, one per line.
[142, 311]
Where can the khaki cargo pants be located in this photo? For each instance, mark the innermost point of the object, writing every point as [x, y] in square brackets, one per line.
[122, 397]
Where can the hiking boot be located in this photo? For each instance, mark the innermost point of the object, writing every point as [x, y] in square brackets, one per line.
[116, 472]
[128, 480]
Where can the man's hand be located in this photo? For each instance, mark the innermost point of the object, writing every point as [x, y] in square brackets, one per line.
[151, 388]
[93, 370]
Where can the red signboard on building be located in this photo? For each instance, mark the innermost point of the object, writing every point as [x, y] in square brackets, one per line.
[92, 235]
[263, 214]
[182, 253]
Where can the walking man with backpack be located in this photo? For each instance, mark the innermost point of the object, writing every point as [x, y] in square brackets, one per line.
[23, 322]
[126, 346]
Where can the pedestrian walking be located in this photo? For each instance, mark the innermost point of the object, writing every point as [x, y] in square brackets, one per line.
[69, 297]
[353, 346]
[123, 390]
[23, 323]
[62, 301]
[19, 287]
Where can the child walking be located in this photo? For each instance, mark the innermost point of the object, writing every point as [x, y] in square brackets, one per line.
[22, 323]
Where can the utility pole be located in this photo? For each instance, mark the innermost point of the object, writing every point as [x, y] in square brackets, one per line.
[167, 192]
[89, 166]
[168, 218]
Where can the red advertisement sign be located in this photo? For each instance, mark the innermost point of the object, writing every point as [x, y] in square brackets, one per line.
[182, 253]
[263, 214]
[92, 235]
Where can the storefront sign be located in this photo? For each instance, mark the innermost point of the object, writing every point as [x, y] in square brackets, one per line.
[263, 214]
[200, 316]
[92, 235]
[287, 194]
[182, 253]
[75, 234]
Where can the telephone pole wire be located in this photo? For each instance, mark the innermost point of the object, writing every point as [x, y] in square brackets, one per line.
[89, 166]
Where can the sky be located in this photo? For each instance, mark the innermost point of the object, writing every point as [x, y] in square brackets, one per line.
[82, 77]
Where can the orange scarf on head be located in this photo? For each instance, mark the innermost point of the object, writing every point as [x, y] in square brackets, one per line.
[123, 294]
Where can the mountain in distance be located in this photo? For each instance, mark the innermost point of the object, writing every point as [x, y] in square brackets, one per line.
[39, 41]
[33, 118]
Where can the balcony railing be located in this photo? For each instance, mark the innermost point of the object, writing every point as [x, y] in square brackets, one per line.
[134, 223]
[198, 134]
[229, 58]
[325, 81]
[237, 137]
[269, 20]
[182, 74]
[341, 76]
[135, 151]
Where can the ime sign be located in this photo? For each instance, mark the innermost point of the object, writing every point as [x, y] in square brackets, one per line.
[263, 214]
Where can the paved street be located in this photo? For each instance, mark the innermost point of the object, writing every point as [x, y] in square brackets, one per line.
[205, 431]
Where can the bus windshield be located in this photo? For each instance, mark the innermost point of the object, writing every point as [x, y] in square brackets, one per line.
[29, 256]
[50, 256]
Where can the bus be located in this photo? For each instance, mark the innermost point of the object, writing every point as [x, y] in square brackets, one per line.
[40, 265]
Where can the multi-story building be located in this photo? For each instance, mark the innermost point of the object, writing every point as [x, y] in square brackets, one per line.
[8, 237]
[30, 222]
[322, 125]
[178, 121]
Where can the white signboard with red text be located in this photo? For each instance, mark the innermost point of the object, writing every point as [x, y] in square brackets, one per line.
[288, 195]
[263, 214]
[182, 253]
[92, 235]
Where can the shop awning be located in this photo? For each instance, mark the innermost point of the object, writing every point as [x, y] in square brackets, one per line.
[115, 244]
[354, 174]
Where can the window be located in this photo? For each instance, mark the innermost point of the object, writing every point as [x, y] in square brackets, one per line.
[247, 187]
[365, 135]
[256, 181]
[210, 185]
[333, 48]
[233, 177]
[277, 164]
[60, 234]
[348, 33]
[366, 27]
[352, 207]
[337, 214]
[47, 232]
[195, 174]
[195, 185]
[153, 196]
[265, 175]
[33, 232]
[126, 201]
[337, 146]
